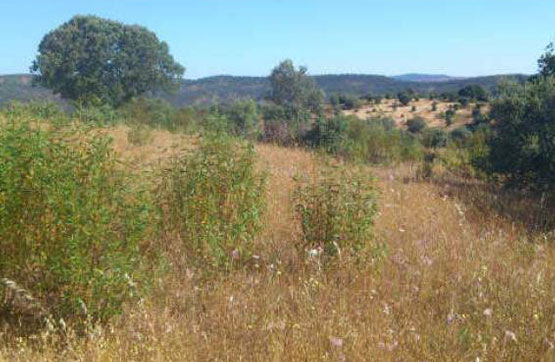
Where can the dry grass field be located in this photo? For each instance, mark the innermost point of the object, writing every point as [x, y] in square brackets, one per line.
[460, 281]
[401, 114]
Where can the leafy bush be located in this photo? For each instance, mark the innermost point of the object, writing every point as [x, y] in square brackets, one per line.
[70, 227]
[244, 118]
[336, 210]
[34, 109]
[474, 92]
[97, 114]
[153, 112]
[416, 125]
[522, 147]
[377, 141]
[213, 200]
[461, 134]
[449, 115]
[328, 133]
[404, 98]
[434, 138]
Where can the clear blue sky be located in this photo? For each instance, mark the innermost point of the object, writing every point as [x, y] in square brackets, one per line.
[249, 37]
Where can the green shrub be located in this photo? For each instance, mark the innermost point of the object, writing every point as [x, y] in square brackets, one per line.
[336, 209]
[416, 125]
[522, 146]
[244, 118]
[404, 98]
[214, 201]
[328, 133]
[449, 115]
[461, 134]
[70, 227]
[153, 112]
[103, 115]
[377, 141]
[34, 109]
[434, 138]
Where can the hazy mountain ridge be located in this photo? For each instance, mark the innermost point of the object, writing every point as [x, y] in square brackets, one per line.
[226, 88]
[420, 77]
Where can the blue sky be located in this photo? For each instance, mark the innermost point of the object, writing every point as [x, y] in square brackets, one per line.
[249, 37]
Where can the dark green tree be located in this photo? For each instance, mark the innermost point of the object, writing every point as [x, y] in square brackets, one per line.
[294, 90]
[416, 124]
[404, 98]
[474, 92]
[546, 63]
[100, 61]
[522, 147]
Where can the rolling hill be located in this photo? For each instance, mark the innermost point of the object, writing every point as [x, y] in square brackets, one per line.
[227, 88]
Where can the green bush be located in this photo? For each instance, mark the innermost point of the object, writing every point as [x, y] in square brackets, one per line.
[522, 146]
[404, 98]
[71, 228]
[449, 115]
[377, 141]
[328, 133]
[434, 138]
[152, 112]
[213, 200]
[416, 125]
[34, 109]
[336, 210]
[244, 118]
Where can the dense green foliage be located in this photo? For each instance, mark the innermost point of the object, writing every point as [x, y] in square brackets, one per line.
[213, 200]
[336, 210]
[71, 227]
[522, 147]
[416, 124]
[294, 90]
[373, 140]
[474, 92]
[94, 61]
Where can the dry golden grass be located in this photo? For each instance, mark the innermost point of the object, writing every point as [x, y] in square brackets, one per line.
[459, 283]
[423, 109]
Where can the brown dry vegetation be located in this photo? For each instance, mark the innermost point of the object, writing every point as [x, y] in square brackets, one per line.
[458, 283]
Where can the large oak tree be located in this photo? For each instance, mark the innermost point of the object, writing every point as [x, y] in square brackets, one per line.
[95, 60]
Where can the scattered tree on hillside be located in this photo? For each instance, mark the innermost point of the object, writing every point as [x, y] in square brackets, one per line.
[404, 98]
[95, 60]
[474, 92]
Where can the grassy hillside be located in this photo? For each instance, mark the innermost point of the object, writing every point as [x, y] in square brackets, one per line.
[226, 88]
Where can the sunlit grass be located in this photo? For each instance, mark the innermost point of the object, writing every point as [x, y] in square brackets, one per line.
[458, 282]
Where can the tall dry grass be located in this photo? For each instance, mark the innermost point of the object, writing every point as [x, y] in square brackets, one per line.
[458, 283]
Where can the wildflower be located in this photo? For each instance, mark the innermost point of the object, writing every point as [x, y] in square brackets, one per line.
[510, 336]
[336, 342]
[451, 317]
[488, 312]
[235, 254]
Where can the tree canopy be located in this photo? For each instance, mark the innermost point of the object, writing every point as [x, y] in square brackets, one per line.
[546, 63]
[294, 89]
[95, 60]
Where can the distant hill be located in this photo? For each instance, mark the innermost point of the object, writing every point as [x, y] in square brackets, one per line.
[417, 77]
[20, 87]
[228, 88]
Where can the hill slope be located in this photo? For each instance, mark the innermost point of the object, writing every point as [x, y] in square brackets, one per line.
[226, 88]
